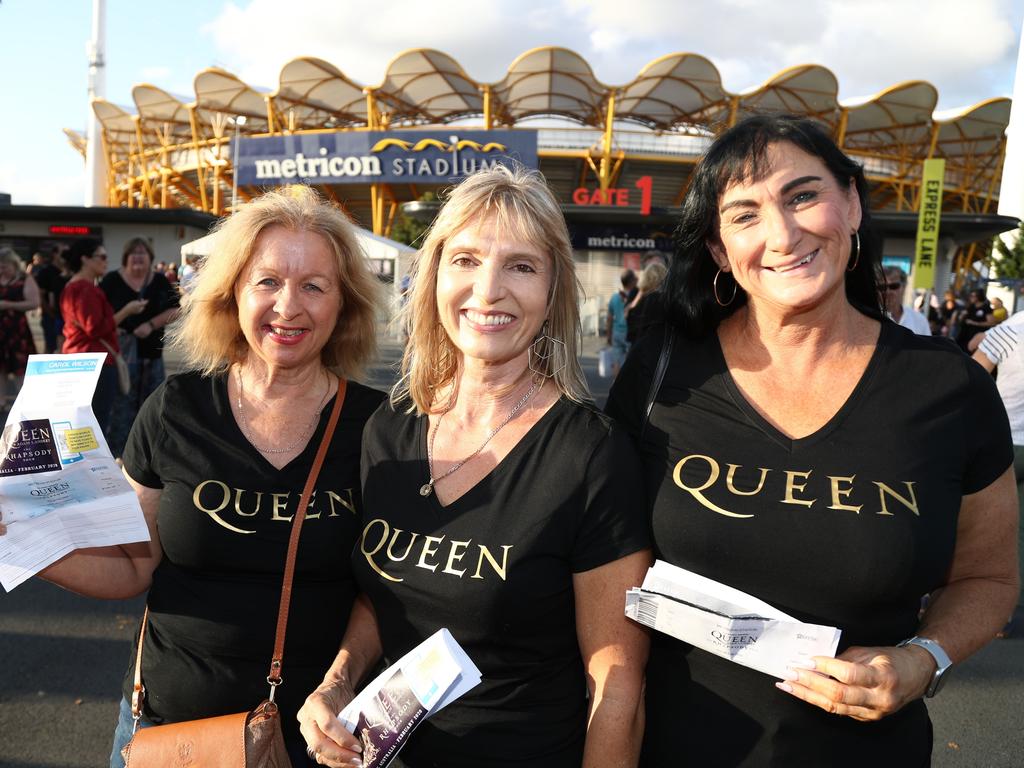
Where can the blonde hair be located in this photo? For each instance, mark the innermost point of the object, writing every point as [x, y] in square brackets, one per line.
[208, 335]
[524, 208]
[652, 277]
[8, 255]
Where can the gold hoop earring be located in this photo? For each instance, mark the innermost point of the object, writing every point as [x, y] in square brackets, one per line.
[714, 290]
[856, 251]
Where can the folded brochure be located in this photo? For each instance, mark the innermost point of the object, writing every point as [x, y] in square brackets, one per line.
[428, 678]
[60, 489]
[726, 622]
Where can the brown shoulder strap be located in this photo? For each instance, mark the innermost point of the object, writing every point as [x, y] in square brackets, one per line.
[274, 678]
[138, 692]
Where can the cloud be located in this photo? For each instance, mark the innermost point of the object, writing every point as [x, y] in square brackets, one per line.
[964, 49]
[42, 186]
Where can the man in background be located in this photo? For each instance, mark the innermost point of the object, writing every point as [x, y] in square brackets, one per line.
[1003, 346]
[893, 289]
[616, 328]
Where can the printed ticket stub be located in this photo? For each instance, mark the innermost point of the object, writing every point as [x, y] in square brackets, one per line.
[726, 621]
[60, 489]
[425, 680]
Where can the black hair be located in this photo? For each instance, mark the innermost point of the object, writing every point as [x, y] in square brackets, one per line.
[79, 249]
[741, 153]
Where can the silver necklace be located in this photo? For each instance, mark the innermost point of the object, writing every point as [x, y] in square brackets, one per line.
[427, 488]
[302, 438]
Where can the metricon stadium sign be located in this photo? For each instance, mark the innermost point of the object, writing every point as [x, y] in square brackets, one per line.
[409, 157]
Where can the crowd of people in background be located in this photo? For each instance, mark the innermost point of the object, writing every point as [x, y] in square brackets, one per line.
[83, 305]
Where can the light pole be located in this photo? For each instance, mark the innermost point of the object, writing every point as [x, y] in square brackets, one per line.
[239, 120]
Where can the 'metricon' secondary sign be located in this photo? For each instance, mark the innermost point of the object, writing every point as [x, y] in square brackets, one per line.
[389, 157]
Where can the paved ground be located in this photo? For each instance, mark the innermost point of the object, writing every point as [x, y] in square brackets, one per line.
[63, 657]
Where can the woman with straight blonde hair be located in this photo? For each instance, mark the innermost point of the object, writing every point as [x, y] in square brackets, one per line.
[283, 308]
[498, 503]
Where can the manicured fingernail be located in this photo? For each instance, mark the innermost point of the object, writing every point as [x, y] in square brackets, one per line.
[791, 674]
[356, 761]
[784, 687]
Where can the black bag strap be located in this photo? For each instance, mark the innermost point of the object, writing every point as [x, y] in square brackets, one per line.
[659, 376]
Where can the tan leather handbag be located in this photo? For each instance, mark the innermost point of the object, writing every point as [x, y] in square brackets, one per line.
[247, 739]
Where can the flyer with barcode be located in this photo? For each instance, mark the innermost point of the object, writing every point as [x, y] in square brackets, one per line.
[428, 678]
[726, 621]
[60, 488]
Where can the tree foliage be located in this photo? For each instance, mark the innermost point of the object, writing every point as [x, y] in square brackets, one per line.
[409, 230]
[1009, 261]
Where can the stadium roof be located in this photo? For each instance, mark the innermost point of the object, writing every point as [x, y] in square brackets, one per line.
[172, 150]
[680, 91]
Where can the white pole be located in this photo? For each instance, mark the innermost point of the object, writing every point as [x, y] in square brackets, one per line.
[239, 121]
[95, 162]
[1011, 188]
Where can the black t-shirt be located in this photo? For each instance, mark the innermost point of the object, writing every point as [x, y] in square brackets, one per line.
[977, 313]
[161, 296]
[847, 527]
[51, 283]
[643, 314]
[496, 568]
[224, 521]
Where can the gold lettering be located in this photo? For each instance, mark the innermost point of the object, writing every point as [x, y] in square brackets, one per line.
[910, 503]
[791, 486]
[454, 547]
[238, 503]
[485, 552]
[280, 505]
[225, 500]
[429, 549]
[368, 554]
[394, 537]
[844, 492]
[350, 505]
[311, 506]
[733, 489]
[697, 492]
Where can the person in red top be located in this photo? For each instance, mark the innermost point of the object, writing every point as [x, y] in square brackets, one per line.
[89, 320]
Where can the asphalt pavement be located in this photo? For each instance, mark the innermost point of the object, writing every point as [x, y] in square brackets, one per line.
[62, 658]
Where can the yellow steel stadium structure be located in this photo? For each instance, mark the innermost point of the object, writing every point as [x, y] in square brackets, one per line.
[171, 152]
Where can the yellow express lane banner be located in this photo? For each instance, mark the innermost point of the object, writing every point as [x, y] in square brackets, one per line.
[926, 249]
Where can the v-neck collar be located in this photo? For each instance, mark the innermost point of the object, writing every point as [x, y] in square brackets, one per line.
[423, 465]
[311, 445]
[785, 441]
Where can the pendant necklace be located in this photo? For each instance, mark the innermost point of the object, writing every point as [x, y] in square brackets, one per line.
[427, 488]
[243, 424]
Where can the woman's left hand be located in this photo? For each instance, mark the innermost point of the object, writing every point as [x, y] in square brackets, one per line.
[143, 330]
[864, 683]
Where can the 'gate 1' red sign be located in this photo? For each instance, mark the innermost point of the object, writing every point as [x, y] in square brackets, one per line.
[617, 196]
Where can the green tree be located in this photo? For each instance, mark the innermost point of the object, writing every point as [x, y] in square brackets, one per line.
[409, 230]
[1009, 261]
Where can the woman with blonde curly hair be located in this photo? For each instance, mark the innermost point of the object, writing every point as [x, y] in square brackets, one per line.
[284, 307]
[500, 504]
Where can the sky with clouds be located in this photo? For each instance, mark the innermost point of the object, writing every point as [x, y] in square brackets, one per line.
[968, 50]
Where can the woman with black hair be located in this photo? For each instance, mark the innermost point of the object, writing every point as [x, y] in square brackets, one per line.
[799, 449]
[90, 323]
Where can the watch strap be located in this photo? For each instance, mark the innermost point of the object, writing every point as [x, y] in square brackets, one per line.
[942, 661]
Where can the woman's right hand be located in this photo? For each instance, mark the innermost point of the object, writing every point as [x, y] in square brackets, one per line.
[137, 306]
[328, 740]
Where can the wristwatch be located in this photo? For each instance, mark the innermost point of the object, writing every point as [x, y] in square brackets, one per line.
[942, 661]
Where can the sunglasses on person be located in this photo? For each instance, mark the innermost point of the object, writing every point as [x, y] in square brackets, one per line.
[890, 286]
